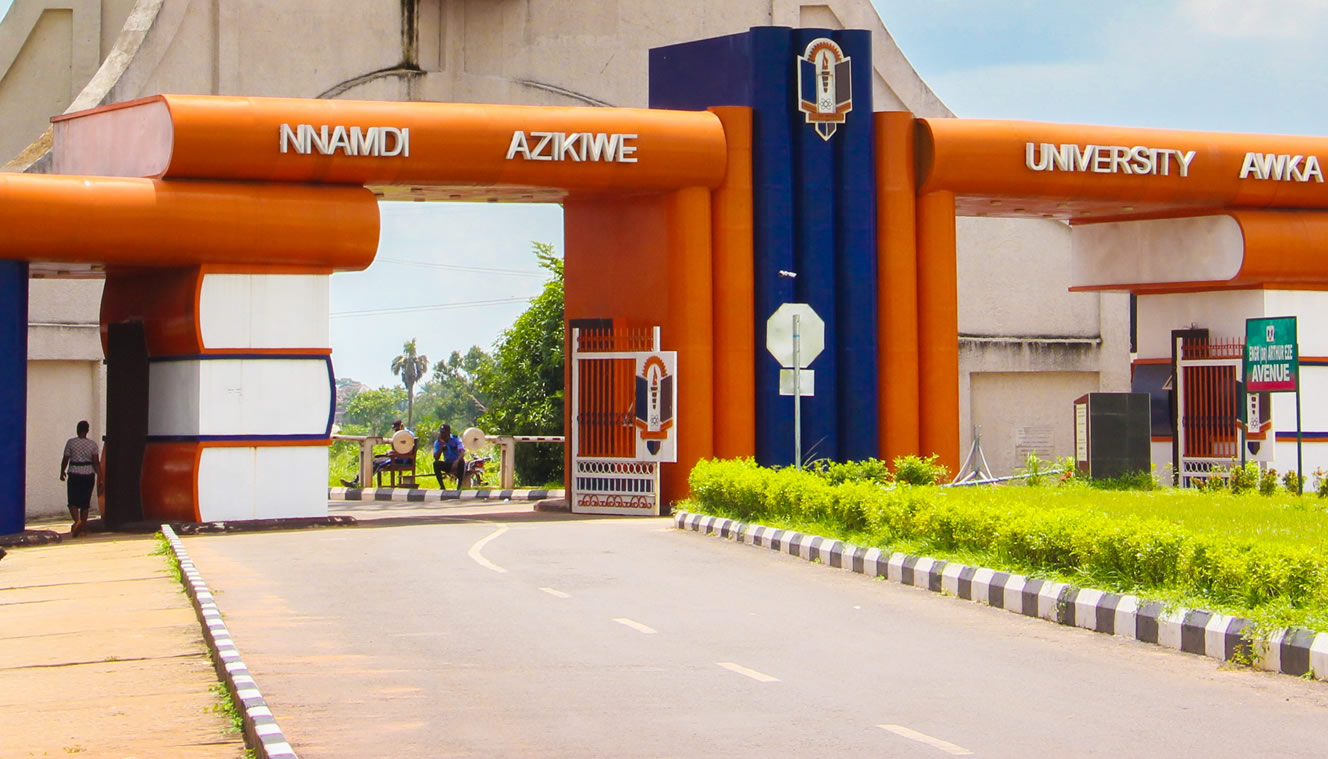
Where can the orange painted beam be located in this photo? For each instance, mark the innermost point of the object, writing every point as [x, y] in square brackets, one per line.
[990, 159]
[938, 329]
[147, 223]
[690, 331]
[897, 283]
[450, 144]
[734, 296]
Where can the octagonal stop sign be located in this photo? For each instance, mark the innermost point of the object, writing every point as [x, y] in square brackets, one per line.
[779, 334]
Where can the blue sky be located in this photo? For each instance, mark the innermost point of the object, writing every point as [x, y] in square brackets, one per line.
[1217, 65]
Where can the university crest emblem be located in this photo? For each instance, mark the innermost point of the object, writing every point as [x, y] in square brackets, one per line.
[825, 86]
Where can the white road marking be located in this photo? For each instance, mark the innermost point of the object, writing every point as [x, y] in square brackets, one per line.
[937, 743]
[417, 635]
[760, 677]
[555, 593]
[635, 625]
[474, 551]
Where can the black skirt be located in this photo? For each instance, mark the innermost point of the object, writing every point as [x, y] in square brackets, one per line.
[80, 489]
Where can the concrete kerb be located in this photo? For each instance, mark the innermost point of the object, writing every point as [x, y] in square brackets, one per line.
[261, 731]
[1290, 651]
[421, 496]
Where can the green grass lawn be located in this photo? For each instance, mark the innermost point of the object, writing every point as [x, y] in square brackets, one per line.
[1264, 558]
[1282, 519]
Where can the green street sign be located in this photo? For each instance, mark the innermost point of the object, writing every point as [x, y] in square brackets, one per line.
[1272, 358]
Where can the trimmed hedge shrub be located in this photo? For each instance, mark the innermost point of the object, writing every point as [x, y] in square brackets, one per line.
[1126, 553]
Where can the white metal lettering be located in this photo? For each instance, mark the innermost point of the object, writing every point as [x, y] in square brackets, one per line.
[304, 139]
[572, 146]
[1107, 159]
[1281, 167]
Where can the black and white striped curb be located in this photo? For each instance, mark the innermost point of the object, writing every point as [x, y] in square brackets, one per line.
[1291, 651]
[419, 496]
[262, 733]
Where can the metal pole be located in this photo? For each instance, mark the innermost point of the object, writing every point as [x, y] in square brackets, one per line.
[1179, 463]
[797, 397]
[1300, 467]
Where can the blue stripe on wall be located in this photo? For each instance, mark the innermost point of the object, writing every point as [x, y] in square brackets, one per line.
[814, 213]
[774, 224]
[856, 262]
[14, 394]
[816, 182]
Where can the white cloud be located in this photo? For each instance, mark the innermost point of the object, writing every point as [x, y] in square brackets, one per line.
[1251, 19]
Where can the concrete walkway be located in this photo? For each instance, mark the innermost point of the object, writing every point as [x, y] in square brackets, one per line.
[101, 655]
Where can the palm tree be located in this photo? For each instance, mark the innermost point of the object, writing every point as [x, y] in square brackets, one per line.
[410, 367]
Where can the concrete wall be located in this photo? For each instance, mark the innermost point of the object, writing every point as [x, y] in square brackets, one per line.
[66, 381]
[1016, 314]
[1022, 329]
[1026, 412]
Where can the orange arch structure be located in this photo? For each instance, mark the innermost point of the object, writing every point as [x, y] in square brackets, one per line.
[183, 199]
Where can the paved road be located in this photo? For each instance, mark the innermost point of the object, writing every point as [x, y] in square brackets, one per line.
[532, 636]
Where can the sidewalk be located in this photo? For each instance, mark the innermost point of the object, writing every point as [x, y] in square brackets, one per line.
[101, 655]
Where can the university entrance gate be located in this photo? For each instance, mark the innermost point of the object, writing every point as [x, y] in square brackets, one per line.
[216, 222]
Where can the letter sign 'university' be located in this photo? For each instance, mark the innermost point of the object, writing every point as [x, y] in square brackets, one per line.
[1272, 362]
[1108, 159]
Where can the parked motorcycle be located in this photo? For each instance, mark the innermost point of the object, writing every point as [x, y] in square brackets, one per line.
[475, 468]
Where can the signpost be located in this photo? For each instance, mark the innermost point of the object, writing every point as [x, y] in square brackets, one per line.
[1272, 365]
[795, 336]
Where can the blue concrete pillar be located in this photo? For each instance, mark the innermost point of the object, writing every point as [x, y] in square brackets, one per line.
[13, 394]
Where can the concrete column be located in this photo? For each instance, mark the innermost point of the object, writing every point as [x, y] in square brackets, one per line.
[938, 329]
[897, 274]
[13, 394]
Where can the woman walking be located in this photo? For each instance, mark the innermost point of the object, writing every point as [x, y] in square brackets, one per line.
[82, 463]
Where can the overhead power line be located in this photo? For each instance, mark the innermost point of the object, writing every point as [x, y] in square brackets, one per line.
[459, 267]
[433, 307]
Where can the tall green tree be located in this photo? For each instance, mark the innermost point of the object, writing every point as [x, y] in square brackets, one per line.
[410, 367]
[453, 394]
[524, 385]
[375, 409]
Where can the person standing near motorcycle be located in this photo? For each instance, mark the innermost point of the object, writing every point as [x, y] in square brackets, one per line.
[449, 456]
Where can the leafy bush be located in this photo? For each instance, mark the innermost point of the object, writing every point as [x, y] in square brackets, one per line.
[1244, 478]
[1042, 530]
[1140, 480]
[1268, 482]
[1034, 470]
[867, 470]
[1291, 481]
[916, 470]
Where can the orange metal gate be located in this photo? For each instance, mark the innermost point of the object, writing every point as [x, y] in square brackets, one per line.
[1208, 428]
[606, 476]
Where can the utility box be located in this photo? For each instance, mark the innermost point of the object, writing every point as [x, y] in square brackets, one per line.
[1112, 434]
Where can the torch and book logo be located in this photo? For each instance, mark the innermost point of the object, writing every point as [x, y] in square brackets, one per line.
[825, 86]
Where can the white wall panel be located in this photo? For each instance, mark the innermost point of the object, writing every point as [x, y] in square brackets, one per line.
[264, 396]
[1198, 249]
[243, 397]
[1222, 313]
[1311, 308]
[264, 311]
[173, 398]
[262, 483]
